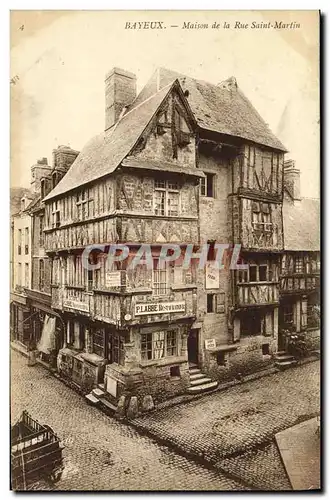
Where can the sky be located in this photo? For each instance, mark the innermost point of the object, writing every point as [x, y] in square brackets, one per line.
[59, 61]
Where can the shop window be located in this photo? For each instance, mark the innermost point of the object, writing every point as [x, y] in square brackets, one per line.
[157, 345]
[252, 323]
[175, 371]
[207, 185]
[265, 349]
[210, 302]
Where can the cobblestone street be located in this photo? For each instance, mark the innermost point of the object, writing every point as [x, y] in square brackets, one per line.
[101, 453]
[234, 429]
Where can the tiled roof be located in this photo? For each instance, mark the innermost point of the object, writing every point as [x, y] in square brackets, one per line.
[104, 152]
[301, 224]
[220, 108]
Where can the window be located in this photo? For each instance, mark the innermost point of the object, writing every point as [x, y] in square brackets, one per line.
[98, 342]
[171, 343]
[19, 274]
[157, 345]
[160, 278]
[299, 265]
[288, 315]
[253, 323]
[26, 279]
[261, 217]
[263, 272]
[210, 302]
[41, 230]
[221, 358]
[265, 349]
[175, 371]
[84, 204]
[54, 179]
[117, 349]
[257, 272]
[211, 251]
[207, 185]
[56, 218]
[26, 241]
[253, 272]
[89, 280]
[19, 246]
[42, 188]
[167, 198]
[41, 275]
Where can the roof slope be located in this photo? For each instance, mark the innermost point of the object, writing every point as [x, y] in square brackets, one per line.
[223, 109]
[104, 152]
[301, 224]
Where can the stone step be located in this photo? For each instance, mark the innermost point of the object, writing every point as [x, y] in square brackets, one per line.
[200, 381]
[195, 376]
[107, 403]
[91, 399]
[285, 364]
[98, 393]
[202, 388]
[283, 357]
[101, 386]
[193, 371]
[280, 353]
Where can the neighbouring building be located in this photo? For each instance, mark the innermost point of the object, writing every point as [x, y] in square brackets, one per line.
[20, 271]
[31, 313]
[184, 162]
[300, 269]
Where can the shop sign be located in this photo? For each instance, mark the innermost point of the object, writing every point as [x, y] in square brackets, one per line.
[210, 344]
[112, 386]
[212, 276]
[113, 279]
[76, 304]
[159, 308]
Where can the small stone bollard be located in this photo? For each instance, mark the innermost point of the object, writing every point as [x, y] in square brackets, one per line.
[120, 412]
[133, 410]
[32, 358]
[147, 403]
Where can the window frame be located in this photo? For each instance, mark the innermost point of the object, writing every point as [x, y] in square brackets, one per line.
[41, 275]
[166, 345]
[160, 286]
[84, 204]
[164, 191]
[206, 183]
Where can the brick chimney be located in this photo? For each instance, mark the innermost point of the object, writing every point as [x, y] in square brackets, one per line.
[120, 91]
[292, 179]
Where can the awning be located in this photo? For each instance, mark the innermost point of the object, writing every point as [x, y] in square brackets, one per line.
[47, 341]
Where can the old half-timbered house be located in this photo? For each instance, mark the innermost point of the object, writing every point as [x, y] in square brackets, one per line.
[136, 183]
[45, 324]
[240, 203]
[300, 269]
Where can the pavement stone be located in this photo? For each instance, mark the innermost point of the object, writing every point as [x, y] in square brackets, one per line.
[100, 452]
[231, 429]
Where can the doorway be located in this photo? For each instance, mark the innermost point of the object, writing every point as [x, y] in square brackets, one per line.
[193, 340]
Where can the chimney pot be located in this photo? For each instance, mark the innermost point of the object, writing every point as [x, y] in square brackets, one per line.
[120, 91]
